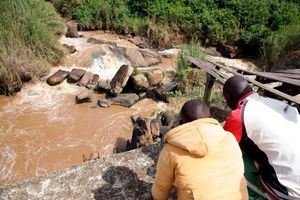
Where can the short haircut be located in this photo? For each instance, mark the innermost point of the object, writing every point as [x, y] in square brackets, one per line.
[193, 110]
[235, 88]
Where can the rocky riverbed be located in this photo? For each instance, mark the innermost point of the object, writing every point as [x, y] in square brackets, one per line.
[82, 110]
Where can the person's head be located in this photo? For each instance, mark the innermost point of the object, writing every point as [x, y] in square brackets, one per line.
[193, 110]
[234, 89]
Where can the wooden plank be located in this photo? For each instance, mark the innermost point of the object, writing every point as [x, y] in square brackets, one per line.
[211, 70]
[268, 76]
[278, 93]
[286, 75]
[289, 71]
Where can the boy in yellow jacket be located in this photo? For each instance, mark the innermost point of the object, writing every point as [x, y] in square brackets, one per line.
[200, 159]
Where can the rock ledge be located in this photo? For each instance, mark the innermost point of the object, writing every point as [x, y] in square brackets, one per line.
[127, 175]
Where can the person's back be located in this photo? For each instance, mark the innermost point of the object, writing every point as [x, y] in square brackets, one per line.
[202, 161]
[268, 131]
[274, 127]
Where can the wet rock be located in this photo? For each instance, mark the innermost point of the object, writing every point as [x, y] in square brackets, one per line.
[140, 82]
[103, 85]
[57, 77]
[75, 75]
[105, 103]
[140, 42]
[135, 57]
[99, 41]
[155, 128]
[72, 29]
[95, 79]
[126, 99]
[93, 83]
[155, 77]
[84, 96]
[151, 57]
[161, 92]
[169, 118]
[227, 50]
[120, 79]
[86, 79]
[163, 131]
[71, 49]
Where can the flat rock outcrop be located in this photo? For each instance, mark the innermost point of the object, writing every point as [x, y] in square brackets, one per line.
[84, 96]
[57, 77]
[75, 75]
[86, 79]
[126, 175]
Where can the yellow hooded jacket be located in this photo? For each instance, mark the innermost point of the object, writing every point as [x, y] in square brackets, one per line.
[202, 161]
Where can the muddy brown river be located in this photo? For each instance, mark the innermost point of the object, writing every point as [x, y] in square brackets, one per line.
[43, 130]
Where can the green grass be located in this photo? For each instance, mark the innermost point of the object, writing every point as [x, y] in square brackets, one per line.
[27, 41]
[192, 81]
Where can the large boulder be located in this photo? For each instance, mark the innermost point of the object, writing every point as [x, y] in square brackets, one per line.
[70, 48]
[140, 82]
[84, 96]
[120, 79]
[75, 75]
[288, 61]
[135, 57]
[103, 85]
[151, 57]
[160, 93]
[86, 79]
[155, 77]
[125, 99]
[72, 30]
[57, 77]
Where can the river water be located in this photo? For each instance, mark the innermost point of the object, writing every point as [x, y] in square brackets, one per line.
[43, 130]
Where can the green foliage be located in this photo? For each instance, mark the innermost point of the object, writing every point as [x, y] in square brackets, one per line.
[27, 41]
[247, 24]
[286, 39]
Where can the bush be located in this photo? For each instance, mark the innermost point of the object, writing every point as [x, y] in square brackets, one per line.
[285, 40]
[246, 24]
[27, 41]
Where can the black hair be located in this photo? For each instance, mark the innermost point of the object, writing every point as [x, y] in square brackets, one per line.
[235, 88]
[193, 110]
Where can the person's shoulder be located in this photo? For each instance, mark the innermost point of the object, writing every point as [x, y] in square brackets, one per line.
[235, 115]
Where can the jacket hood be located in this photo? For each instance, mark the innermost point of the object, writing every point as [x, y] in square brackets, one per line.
[198, 137]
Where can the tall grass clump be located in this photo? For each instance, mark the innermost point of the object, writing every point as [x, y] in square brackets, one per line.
[191, 80]
[27, 41]
[285, 40]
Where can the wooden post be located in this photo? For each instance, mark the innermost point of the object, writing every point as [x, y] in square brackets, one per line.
[210, 80]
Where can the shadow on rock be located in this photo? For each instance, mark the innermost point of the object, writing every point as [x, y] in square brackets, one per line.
[122, 183]
[153, 153]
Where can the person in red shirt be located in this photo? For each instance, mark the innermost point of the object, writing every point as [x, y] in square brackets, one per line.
[266, 130]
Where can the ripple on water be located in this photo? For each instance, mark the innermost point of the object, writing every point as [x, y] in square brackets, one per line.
[7, 161]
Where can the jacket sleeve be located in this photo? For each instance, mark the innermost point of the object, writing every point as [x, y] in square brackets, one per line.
[164, 177]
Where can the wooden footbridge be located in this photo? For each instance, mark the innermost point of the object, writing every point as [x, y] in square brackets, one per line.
[283, 84]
